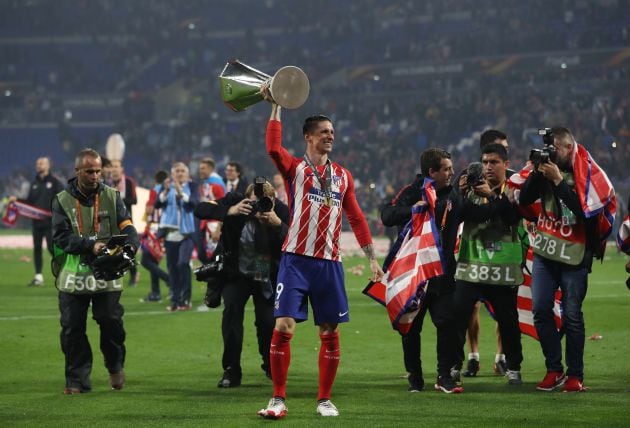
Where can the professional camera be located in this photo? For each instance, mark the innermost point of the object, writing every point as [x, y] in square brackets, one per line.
[160, 176]
[546, 135]
[114, 260]
[474, 174]
[547, 153]
[264, 203]
[210, 270]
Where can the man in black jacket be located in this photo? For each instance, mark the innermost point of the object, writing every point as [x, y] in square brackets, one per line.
[234, 179]
[86, 215]
[565, 242]
[450, 210]
[251, 243]
[41, 193]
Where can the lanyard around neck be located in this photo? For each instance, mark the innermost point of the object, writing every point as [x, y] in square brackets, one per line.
[95, 223]
[325, 182]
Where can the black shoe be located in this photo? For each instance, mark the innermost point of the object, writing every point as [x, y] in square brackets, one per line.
[416, 383]
[152, 298]
[267, 370]
[228, 382]
[447, 385]
[472, 369]
[500, 368]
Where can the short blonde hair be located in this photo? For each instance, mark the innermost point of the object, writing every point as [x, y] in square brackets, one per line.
[267, 189]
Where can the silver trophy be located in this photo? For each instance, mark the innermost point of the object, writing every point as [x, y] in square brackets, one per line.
[241, 86]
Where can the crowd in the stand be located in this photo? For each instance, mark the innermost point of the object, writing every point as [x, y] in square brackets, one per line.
[381, 139]
[382, 123]
[354, 33]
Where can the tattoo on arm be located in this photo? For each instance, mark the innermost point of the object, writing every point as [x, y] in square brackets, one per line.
[369, 251]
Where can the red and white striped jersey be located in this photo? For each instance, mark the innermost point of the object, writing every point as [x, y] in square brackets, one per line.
[315, 227]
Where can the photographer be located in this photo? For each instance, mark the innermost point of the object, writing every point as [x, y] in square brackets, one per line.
[254, 228]
[572, 203]
[86, 215]
[451, 209]
[490, 257]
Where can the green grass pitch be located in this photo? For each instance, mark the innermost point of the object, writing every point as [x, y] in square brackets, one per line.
[174, 363]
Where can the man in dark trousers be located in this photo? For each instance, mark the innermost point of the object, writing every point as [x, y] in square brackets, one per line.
[251, 243]
[450, 210]
[41, 193]
[86, 215]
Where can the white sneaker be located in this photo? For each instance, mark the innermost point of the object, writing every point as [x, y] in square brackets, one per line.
[276, 409]
[327, 408]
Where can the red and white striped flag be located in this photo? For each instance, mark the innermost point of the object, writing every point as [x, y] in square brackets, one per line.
[17, 208]
[597, 197]
[596, 193]
[415, 258]
[524, 301]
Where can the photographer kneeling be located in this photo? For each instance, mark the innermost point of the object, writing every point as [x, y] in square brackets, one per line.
[254, 228]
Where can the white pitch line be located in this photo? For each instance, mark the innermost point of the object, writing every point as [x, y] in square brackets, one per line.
[132, 314]
[218, 311]
[127, 314]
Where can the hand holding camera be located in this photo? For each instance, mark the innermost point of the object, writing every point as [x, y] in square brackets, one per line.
[551, 172]
[114, 259]
[475, 180]
[474, 174]
[547, 153]
[244, 207]
[544, 159]
[269, 217]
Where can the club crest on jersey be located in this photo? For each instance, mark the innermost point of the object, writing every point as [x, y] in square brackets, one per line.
[336, 180]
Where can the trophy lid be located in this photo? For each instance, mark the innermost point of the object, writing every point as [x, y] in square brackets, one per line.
[289, 87]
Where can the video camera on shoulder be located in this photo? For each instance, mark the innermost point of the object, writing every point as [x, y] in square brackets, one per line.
[547, 153]
[264, 203]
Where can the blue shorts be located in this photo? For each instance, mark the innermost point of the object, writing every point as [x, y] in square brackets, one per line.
[303, 278]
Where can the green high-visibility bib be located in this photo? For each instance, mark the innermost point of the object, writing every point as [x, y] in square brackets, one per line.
[73, 275]
[490, 252]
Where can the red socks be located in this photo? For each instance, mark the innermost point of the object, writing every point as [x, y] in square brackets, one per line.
[328, 363]
[279, 360]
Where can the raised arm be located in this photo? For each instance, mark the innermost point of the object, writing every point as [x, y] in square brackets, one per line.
[279, 155]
